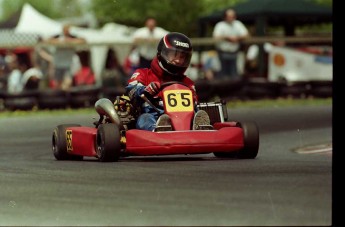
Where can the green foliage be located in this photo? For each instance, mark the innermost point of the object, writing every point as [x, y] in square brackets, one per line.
[325, 2]
[211, 6]
[173, 15]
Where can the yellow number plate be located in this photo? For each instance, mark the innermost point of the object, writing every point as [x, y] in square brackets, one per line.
[178, 100]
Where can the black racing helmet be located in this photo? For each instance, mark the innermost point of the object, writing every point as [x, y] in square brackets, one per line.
[174, 53]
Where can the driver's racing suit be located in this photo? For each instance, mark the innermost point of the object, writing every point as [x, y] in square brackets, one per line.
[143, 77]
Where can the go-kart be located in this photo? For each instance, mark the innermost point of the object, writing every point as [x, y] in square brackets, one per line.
[115, 136]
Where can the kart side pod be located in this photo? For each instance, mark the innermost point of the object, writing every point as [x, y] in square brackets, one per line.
[105, 107]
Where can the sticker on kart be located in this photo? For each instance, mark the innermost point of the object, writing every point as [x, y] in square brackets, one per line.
[178, 100]
[69, 141]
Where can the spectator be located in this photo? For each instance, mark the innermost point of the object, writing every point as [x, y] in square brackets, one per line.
[65, 59]
[43, 60]
[3, 74]
[31, 78]
[211, 66]
[146, 39]
[131, 62]
[173, 56]
[113, 73]
[230, 33]
[22, 76]
[85, 75]
[14, 84]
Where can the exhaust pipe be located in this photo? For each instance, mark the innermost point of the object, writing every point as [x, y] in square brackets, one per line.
[105, 107]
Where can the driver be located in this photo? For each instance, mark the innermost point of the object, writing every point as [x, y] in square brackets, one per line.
[174, 53]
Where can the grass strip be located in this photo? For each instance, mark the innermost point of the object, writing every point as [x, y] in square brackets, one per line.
[263, 103]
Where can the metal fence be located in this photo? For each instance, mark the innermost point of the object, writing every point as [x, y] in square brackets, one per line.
[252, 88]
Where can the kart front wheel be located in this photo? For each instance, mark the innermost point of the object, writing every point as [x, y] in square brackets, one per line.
[59, 143]
[233, 154]
[108, 142]
[251, 140]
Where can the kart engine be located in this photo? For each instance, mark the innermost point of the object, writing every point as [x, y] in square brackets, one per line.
[125, 111]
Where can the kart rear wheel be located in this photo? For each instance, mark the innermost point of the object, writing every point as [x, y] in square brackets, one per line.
[59, 145]
[251, 140]
[108, 142]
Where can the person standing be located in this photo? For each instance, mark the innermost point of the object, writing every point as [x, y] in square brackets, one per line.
[14, 84]
[64, 58]
[3, 74]
[43, 60]
[146, 39]
[229, 33]
[22, 75]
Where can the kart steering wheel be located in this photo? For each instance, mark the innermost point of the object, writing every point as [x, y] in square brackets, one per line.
[163, 85]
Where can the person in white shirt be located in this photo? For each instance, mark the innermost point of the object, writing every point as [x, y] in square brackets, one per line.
[230, 33]
[14, 84]
[146, 40]
[31, 79]
[21, 78]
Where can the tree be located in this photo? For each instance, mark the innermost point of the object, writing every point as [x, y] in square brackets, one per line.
[173, 15]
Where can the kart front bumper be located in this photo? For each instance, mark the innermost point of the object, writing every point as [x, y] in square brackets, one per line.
[227, 139]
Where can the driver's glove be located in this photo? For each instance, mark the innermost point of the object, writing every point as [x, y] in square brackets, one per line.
[152, 89]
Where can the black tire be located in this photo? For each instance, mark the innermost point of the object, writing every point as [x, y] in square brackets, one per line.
[295, 90]
[53, 99]
[321, 89]
[59, 145]
[112, 92]
[227, 88]
[84, 96]
[108, 143]
[233, 154]
[25, 100]
[20, 103]
[258, 88]
[251, 140]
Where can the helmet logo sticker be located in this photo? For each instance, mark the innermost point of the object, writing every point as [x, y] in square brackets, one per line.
[181, 44]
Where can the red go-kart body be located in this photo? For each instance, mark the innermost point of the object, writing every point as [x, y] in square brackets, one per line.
[112, 140]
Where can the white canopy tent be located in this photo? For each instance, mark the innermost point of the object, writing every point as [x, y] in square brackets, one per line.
[33, 22]
[116, 36]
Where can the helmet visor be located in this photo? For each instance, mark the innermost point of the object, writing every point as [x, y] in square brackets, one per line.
[177, 57]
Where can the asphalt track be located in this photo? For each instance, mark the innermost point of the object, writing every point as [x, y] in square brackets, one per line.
[281, 187]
